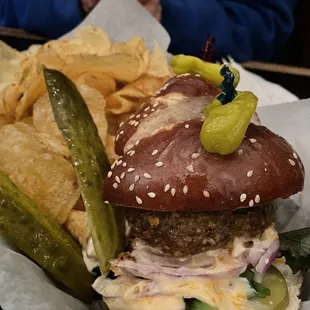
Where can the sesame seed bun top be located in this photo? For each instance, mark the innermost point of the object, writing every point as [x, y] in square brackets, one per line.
[164, 167]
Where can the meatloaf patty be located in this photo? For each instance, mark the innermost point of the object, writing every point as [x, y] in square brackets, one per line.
[188, 233]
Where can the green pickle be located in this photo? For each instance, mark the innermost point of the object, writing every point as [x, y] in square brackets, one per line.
[278, 299]
[275, 282]
[88, 155]
[194, 304]
[209, 71]
[225, 125]
[43, 240]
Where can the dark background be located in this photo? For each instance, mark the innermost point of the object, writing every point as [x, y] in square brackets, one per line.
[295, 53]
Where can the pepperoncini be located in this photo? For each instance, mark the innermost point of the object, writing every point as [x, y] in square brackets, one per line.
[209, 71]
[225, 125]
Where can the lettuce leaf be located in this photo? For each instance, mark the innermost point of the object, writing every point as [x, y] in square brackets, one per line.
[295, 246]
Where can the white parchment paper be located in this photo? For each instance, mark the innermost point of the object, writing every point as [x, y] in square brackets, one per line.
[122, 19]
[23, 285]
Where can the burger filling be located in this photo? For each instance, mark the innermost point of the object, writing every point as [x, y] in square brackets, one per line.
[206, 257]
[188, 233]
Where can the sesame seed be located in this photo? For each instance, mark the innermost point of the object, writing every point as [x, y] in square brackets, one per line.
[139, 200]
[167, 187]
[152, 110]
[109, 174]
[131, 116]
[131, 187]
[115, 185]
[138, 115]
[159, 164]
[198, 75]
[240, 152]
[124, 165]
[251, 203]
[187, 126]
[137, 178]
[146, 108]
[185, 189]
[106, 201]
[195, 155]
[151, 194]
[257, 199]
[123, 175]
[131, 169]
[137, 142]
[155, 104]
[128, 152]
[136, 124]
[117, 137]
[243, 197]
[121, 133]
[190, 168]
[249, 174]
[265, 169]
[292, 162]
[121, 124]
[173, 191]
[155, 152]
[295, 156]
[118, 162]
[131, 123]
[113, 165]
[252, 140]
[117, 179]
[206, 194]
[145, 115]
[266, 261]
[146, 175]
[132, 153]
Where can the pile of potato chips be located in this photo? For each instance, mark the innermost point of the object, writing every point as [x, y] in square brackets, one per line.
[113, 78]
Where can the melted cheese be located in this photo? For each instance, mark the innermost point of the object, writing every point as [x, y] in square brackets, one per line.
[147, 303]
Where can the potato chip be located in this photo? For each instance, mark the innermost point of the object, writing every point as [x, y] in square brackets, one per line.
[132, 95]
[28, 120]
[98, 80]
[43, 118]
[32, 50]
[94, 38]
[3, 121]
[121, 67]
[10, 60]
[158, 64]
[76, 224]
[44, 121]
[21, 140]
[49, 180]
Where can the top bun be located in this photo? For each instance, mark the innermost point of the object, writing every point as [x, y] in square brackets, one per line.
[164, 167]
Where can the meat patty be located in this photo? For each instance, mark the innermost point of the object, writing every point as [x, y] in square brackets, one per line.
[188, 233]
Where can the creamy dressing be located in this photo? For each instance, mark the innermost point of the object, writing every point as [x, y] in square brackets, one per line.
[91, 263]
[165, 292]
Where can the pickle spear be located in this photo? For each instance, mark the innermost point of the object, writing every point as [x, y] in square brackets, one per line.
[43, 240]
[88, 155]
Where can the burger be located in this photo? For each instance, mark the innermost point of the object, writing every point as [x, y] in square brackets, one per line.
[200, 225]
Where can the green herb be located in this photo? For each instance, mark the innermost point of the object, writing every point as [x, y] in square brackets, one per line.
[260, 290]
[295, 246]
